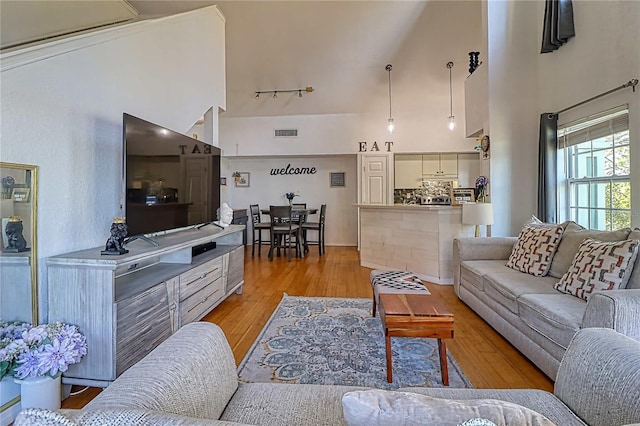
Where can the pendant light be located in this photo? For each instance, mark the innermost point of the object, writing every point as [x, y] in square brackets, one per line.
[390, 126]
[452, 119]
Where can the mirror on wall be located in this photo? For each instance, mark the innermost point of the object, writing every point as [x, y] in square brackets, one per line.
[18, 258]
[18, 269]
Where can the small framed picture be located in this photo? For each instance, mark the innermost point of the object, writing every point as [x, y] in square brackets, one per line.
[336, 179]
[243, 180]
[223, 181]
[21, 195]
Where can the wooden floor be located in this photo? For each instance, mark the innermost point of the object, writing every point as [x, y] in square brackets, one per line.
[487, 359]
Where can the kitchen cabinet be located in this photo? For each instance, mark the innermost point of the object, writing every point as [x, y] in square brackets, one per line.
[408, 171]
[440, 165]
[468, 169]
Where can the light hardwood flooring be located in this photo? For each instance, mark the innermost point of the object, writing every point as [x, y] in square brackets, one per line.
[487, 359]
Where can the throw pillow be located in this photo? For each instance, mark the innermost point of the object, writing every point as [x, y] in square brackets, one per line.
[634, 280]
[380, 407]
[598, 266]
[571, 239]
[534, 250]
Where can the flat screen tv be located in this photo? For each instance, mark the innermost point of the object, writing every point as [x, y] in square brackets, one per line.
[171, 180]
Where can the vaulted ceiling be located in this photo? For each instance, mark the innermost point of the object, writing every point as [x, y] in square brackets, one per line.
[340, 48]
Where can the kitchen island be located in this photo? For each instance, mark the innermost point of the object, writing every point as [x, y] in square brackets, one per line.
[415, 238]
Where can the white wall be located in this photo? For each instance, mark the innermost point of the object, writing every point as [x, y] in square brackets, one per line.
[523, 83]
[339, 134]
[266, 189]
[604, 54]
[513, 115]
[62, 106]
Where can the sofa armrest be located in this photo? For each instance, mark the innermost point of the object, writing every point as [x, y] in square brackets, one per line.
[480, 248]
[599, 377]
[616, 309]
[192, 373]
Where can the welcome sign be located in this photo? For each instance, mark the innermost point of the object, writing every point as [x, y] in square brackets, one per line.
[294, 171]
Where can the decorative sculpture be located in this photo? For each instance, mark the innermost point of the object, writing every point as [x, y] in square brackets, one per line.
[15, 240]
[225, 215]
[115, 243]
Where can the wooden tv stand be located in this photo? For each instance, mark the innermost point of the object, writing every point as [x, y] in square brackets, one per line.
[127, 305]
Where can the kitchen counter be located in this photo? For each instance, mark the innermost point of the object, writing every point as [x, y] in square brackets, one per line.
[416, 238]
[410, 206]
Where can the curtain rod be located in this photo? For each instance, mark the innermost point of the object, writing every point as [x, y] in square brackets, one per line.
[631, 83]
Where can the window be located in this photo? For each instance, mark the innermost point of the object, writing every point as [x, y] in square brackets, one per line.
[596, 170]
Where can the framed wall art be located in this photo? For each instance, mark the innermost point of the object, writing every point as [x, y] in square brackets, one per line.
[336, 179]
[243, 180]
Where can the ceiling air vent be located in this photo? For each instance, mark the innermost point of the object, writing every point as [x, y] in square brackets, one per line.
[286, 133]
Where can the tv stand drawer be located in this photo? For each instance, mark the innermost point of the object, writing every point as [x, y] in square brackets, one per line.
[200, 276]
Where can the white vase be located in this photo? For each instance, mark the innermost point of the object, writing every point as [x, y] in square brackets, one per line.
[40, 392]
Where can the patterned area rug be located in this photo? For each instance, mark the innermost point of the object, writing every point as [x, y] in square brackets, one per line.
[331, 341]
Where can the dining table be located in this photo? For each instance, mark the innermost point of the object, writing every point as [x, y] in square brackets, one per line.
[298, 210]
[301, 212]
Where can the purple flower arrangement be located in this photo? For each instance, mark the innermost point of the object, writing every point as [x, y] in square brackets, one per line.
[44, 350]
[481, 188]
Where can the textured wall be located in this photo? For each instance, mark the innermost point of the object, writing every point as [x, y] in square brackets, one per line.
[62, 108]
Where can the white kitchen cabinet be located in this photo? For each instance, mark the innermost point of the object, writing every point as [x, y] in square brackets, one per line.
[408, 171]
[440, 165]
[468, 169]
[476, 102]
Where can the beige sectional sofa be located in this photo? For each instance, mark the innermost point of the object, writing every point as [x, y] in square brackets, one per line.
[527, 310]
[190, 379]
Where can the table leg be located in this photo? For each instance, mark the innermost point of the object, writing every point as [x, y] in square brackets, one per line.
[389, 363]
[444, 370]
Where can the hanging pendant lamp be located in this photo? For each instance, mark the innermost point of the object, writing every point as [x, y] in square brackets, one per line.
[390, 126]
[452, 119]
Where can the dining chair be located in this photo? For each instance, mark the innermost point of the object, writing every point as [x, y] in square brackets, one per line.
[285, 233]
[315, 226]
[298, 217]
[258, 227]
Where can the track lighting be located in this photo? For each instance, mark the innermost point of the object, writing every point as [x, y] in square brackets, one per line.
[307, 89]
[452, 119]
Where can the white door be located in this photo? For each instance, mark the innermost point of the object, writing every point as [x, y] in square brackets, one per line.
[196, 187]
[374, 179]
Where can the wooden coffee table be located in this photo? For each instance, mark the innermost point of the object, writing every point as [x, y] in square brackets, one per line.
[416, 315]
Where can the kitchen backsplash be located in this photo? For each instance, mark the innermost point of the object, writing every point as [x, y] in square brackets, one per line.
[432, 188]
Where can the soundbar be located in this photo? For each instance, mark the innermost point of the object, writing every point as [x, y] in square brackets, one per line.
[202, 248]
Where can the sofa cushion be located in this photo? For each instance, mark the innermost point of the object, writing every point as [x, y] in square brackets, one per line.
[116, 416]
[634, 280]
[380, 407]
[556, 316]
[534, 250]
[472, 271]
[505, 287]
[571, 240]
[540, 401]
[599, 266]
[277, 404]
[211, 380]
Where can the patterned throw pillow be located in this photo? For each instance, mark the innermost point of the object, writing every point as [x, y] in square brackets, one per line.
[599, 265]
[534, 250]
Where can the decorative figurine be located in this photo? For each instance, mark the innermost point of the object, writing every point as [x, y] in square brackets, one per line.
[15, 240]
[115, 243]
